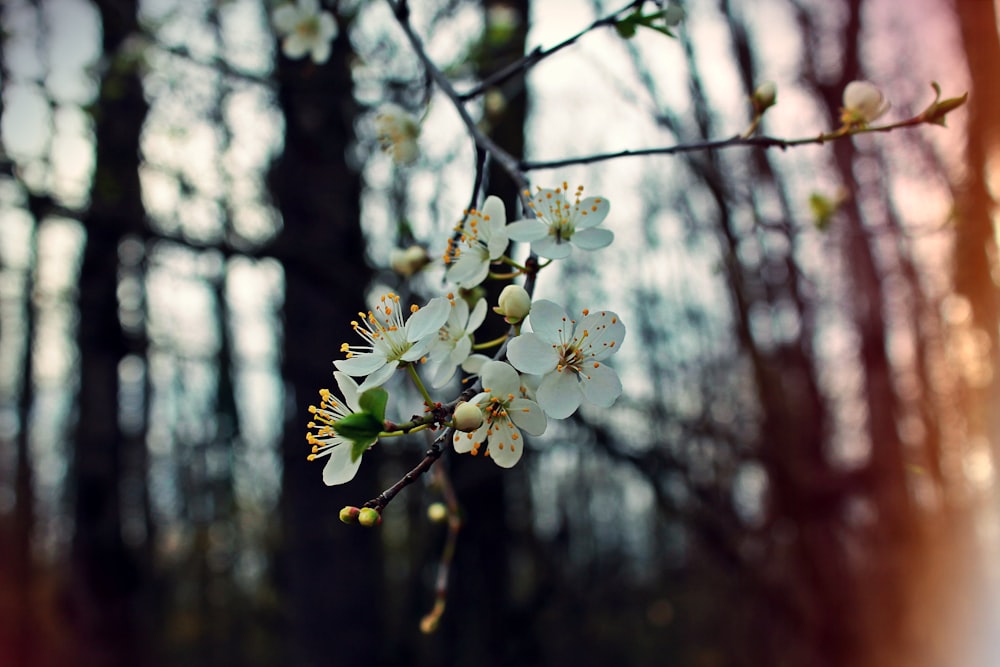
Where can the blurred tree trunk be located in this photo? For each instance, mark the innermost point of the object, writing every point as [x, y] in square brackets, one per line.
[976, 246]
[331, 572]
[106, 575]
[482, 577]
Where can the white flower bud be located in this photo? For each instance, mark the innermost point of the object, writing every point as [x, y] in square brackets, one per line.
[673, 15]
[468, 416]
[863, 103]
[764, 96]
[407, 261]
[514, 303]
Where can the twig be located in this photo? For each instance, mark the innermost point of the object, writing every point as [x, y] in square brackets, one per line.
[538, 54]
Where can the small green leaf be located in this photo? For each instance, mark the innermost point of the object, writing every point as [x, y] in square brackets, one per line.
[361, 428]
[626, 28]
[373, 402]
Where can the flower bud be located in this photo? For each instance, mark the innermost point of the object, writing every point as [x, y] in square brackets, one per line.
[514, 304]
[349, 514]
[863, 103]
[437, 512]
[467, 416]
[673, 15]
[407, 261]
[369, 516]
[764, 96]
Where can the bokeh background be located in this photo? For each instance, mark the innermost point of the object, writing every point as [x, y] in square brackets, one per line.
[802, 468]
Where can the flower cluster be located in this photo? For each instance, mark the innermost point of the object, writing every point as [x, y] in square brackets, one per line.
[551, 363]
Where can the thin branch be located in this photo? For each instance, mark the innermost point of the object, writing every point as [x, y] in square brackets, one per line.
[716, 144]
[538, 54]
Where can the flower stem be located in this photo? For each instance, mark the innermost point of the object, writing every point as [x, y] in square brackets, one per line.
[490, 343]
[420, 385]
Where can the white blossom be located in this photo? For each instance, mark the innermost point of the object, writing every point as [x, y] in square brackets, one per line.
[305, 29]
[481, 239]
[561, 224]
[339, 468]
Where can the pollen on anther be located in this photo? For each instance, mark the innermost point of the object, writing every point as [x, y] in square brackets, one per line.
[414, 308]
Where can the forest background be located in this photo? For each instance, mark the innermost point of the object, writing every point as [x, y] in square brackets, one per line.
[801, 469]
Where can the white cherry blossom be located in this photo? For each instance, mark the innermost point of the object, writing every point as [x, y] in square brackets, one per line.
[863, 103]
[454, 340]
[339, 468]
[568, 354]
[505, 413]
[482, 238]
[389, 340]
[561, 224]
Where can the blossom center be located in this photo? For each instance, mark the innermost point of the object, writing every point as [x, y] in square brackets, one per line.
[383, 329]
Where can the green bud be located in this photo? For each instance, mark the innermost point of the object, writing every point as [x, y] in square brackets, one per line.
[369, 516]
[764, 96]
[349, 514]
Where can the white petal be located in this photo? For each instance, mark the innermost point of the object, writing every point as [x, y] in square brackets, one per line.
[527, 230]
[379, 377]
[339, 468]
[327, 26]
[463, 442]
[593, 239]
[285, 18]
[470, 269]
[605, 333]
[477, 316]
[361, 364]
[530, 354]
[527, 415]
[495, 211]
[592, 212]
[500, 379]
[320, 51]
[474, 364]
[559, 394]
[426, 321]
[506, 444]
[550, 322]
[294, 46]
[348, 389]
[549, 248]
[600, 385]
[498, 243]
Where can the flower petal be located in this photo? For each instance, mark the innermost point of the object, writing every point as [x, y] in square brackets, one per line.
[470, 269]
[285, 18]
[591, 212]
[528, 353]
[559, 394]
[361, 364]
[527, 230]
[601, 385]
[593, 239]
[605, 333]
[464, 442]
[500, 379]
[378, 378]
[339, 468]
[426, 321]
[550, 248]
[527, 415]
[550, 322]
[506, 444]
[348, 389]
[477, 316]
[494, 212]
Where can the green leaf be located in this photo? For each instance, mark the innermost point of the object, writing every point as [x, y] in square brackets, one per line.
[373, 402]
[626, 28]
[361, 428]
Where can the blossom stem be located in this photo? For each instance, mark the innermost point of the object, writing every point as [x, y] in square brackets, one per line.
[504, 276]
[507, 260]
[420, 385]
[490, 343]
